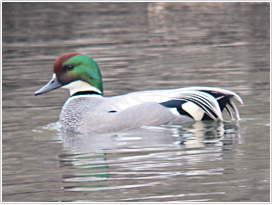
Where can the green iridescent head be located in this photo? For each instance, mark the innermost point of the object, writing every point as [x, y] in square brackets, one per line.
[73, 67]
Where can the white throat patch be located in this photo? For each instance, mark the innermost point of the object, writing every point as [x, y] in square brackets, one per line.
[79, 86]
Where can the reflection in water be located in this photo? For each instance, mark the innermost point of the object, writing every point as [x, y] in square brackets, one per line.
[140, 157]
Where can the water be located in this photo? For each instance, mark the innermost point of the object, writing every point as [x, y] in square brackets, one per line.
[139, 46]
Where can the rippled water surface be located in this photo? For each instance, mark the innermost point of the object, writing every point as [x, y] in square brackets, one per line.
[139, 46]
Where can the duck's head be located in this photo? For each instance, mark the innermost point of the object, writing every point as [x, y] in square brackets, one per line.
[76, 72]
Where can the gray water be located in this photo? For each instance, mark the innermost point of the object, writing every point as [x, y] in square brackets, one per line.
[139, 46]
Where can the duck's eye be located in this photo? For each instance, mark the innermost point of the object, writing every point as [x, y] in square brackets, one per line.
[68, 67]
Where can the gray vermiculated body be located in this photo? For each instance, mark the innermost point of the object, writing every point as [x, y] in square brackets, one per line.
[88, 115]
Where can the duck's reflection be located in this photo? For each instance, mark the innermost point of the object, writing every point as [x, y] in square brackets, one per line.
[106, 160]
[190, 135]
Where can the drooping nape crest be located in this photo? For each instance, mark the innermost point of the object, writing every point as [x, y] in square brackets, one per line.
[76, 72]
[82, 69]
[57, 69]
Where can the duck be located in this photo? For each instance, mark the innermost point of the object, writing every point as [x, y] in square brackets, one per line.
[88, 111]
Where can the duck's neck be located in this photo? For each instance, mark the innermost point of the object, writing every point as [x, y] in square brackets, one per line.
[80, 86]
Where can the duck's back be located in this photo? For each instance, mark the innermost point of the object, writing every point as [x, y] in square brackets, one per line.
[95, 113]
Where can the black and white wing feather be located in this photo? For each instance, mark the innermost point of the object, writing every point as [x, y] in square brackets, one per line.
[200, 103]
[205, 103]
